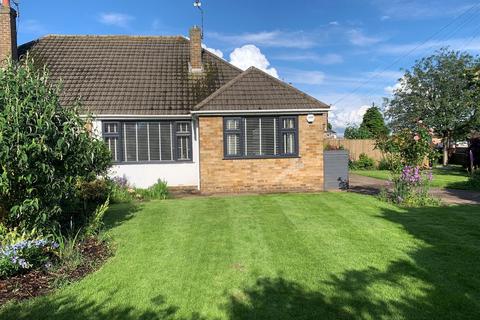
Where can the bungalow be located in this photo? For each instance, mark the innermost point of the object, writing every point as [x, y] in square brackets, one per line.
[168, 109]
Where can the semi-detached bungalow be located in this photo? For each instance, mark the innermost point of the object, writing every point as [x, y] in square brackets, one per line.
[170, 110]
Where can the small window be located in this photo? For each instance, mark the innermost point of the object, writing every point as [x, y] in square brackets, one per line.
[260, 137]
[288, 136]
[232, 137]
[184, 152]
[112, 139]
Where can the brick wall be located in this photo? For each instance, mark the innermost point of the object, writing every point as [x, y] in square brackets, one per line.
[8, 34]
[261, 175]
[196, 49]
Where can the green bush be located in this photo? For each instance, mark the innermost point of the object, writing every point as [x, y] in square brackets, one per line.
[44, 149]
[95, 224]
[24, 255]
[384, 164]
[474, 180]
[364, 162]
[159, 191]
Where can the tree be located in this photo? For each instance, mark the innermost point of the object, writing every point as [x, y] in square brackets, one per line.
[45, 149]
[329, 126]
[374, 123]
[438, 91]
[355, 132]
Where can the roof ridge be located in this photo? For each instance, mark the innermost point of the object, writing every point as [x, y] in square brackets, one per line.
[222, 89]
[112, 36]
[287, 85]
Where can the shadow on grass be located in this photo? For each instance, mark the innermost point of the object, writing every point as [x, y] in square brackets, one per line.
[119, 213]
[440, 279]
[69, 308]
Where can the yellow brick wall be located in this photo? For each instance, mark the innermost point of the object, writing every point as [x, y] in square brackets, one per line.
[304, 173]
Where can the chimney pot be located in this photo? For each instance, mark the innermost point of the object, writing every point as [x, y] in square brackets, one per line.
[196, 50]
[6, 3]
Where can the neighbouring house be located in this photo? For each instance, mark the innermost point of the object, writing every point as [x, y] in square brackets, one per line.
[170, 110]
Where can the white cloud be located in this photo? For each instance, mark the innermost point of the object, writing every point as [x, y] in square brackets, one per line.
[391, 89]
[426, 9]
[358, 38]
[334, 23]
[326, 59]
[297, 76]
[295, 39]
[115, 19]
[341, 119]
[348, 108]
[216, 52]
[385, 18]
[250, 55]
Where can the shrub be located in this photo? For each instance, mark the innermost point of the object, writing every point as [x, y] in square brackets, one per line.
[364, 162]
[25, 255]
[96, 221]
[96, 191]
[120, 190]
[474, 180]
[159, 191]
[44, 149]
[384, 164]
[411, 187]
[408, 147]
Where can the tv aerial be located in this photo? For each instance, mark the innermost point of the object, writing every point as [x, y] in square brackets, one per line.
[198, 4]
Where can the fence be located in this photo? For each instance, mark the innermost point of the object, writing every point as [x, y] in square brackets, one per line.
[356, 147]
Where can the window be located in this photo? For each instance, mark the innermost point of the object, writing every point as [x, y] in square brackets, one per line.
[148, 141]
[111, 136]
[260, 137]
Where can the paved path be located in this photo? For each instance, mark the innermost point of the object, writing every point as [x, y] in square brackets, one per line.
[372, 186]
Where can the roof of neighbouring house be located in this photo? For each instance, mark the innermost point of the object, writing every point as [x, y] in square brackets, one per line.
[149, 75]
[254, 89]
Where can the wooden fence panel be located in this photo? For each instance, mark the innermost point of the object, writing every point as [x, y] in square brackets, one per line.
[356, 147]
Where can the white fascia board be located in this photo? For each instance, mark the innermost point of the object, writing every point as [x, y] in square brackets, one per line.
[136, 116]
[277, 111]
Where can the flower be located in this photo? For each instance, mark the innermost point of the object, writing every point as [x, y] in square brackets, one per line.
[416, 137]
[420, 121]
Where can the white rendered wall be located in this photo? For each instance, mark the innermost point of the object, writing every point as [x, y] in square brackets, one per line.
[144, 175]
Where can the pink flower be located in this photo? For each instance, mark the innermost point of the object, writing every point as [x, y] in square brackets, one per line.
[416, 138]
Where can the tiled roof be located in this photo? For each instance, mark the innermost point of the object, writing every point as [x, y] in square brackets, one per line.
[140, 75]
[256, 90]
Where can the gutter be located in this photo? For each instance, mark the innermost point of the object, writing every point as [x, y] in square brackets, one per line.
[269, 112]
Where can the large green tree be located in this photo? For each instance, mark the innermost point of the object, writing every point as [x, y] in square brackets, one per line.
[372, 126]
[438, 91]
[374, 123]
[45, 149]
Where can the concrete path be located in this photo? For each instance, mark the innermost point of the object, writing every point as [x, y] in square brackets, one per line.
[372, 186]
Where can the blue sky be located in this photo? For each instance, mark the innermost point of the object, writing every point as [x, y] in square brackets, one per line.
[345, 53]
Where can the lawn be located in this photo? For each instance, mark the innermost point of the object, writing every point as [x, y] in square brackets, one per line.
[298, 256]
[453, 177]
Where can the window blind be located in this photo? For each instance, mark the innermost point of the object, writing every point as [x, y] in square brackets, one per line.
[149, 141]
[260, 137]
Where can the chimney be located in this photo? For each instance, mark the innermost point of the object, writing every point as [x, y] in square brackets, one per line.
[8, 35]
[196, 50]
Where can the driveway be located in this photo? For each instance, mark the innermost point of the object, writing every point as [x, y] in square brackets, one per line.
[372, 186]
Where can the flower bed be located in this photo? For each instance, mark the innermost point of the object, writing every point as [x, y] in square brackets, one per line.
[32, 283]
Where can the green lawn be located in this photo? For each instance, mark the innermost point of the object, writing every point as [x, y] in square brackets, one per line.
[453, 177]
[299, 256]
